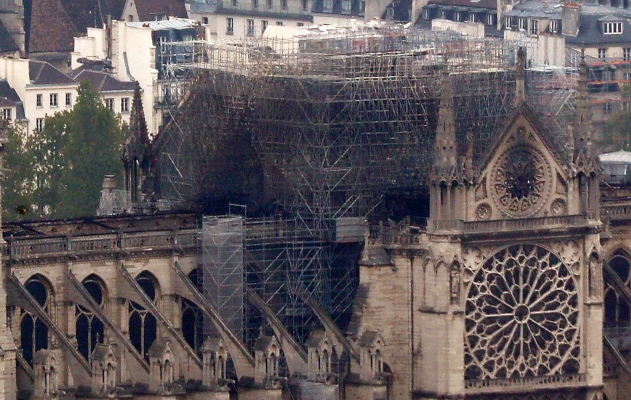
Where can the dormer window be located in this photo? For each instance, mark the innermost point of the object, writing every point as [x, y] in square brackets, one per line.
[612, 28]
[554, 26]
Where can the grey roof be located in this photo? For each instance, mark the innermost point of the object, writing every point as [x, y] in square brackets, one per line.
[176, 23]
[8, 93]
[375, 255]
[158, 348]
[368, 338]
[617, 157]
[552, 9]
[263, 343]
[590, 32]
[42, 356]
[487, 4]
[42, 73]
[315, 337]
[7, 44]
[212, 343]
[102, 81]
[101, 352]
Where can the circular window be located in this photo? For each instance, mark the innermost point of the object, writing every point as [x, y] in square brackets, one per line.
[521, 316]
[520, 181]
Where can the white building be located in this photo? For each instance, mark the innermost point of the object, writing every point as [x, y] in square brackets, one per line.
[42, 88]
[237, 19]
[131, 52]
[36, 89]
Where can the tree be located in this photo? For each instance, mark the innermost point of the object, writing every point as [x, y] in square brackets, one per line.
[61, 169]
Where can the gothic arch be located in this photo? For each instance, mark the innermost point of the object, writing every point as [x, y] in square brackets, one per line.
[33, 331]
[192, 315]
[442, 286]
[143, 326]
[89, 328]
[617, 311]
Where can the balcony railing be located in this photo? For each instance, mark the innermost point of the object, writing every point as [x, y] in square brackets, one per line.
[617, 212]
[529, 383]
[508, 225]
[19, 249]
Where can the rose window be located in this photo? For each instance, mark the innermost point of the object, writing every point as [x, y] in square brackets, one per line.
[521, 316]
[520, 181]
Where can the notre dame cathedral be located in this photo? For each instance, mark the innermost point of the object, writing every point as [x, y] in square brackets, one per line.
[519, 287]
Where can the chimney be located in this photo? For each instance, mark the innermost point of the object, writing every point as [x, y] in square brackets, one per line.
[570, 18]
[109, 183]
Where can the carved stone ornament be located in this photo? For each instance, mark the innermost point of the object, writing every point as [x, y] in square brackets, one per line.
[483, 212]
[558, 207]
[520, 181]
[521, 316]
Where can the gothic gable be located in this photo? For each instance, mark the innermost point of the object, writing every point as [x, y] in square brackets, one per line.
[524, 174]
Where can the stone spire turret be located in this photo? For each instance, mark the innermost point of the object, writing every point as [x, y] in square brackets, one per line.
[583, 127]
[520, 76]
[136, 151]
[445, 149]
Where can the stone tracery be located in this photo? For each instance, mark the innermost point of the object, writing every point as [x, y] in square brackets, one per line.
[522, 316]
[520, 181]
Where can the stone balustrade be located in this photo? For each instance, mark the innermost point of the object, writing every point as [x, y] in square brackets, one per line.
[21, 249]
[525, 383]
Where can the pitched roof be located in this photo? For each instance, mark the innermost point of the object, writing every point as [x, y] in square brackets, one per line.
[71, 18]
[213, 343]
[522, 109]
[171, 8]
[492, 4]
[368, 338]
[101, 80]
[7, 44]
[590, 31]
[51, 28]
[263, 343]
[8, 93]
[42, 73]
[158, 348]
[102, 352]
[375, 255]
[315, 337]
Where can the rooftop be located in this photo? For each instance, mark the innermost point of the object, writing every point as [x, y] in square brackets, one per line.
[174, 23]
[42, 73]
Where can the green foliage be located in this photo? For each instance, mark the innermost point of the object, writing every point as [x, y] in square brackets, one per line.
[58, 173]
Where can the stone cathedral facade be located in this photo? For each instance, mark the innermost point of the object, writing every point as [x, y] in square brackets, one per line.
[501, 296]
[503, 291]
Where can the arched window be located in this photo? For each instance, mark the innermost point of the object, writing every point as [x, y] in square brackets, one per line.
[142, 324]
[617, 310]
[192, 316]
[89, 328]
[33, 332]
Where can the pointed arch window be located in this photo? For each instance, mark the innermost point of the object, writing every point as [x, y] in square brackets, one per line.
[142, 324]
[89, 328]
[192, 316]
[33, 331]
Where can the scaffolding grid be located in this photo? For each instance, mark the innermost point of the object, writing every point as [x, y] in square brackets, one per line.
[222, 262]
[336, 119]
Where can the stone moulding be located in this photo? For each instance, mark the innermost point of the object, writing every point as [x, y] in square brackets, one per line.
[526, 384]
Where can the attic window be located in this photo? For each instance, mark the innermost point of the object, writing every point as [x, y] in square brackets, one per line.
[158, 17]
[612, 28]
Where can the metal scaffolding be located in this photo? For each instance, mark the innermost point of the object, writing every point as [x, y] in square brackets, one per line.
[223, 271]
[336, 119]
